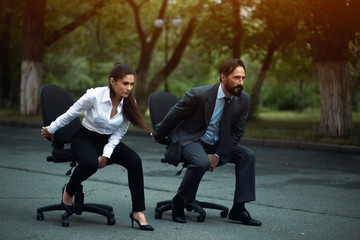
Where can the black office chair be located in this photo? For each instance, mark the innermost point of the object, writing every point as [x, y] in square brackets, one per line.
[54, 101]
[159, 105]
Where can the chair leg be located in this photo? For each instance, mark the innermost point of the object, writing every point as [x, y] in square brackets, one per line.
[78, 208]
[196, 206]
[224, 210]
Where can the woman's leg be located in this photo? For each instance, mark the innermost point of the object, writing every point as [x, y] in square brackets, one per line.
[86, 152]
[129, 159]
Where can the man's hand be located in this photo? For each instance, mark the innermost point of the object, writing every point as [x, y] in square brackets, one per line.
[45, 134]
[154, 140]
[162, 141]
[102, 161]
[214, 161]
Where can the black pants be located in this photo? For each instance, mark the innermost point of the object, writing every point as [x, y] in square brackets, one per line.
[88, 146]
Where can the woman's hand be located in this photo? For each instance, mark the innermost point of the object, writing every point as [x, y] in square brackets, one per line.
[45, 134]
[102, 161]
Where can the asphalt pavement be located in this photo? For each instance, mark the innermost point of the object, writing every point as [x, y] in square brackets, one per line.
[302, 193]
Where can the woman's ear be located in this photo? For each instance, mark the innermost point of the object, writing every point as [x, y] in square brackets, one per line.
[112, 81]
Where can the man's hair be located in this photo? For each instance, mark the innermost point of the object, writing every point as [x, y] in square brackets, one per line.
[229, 66]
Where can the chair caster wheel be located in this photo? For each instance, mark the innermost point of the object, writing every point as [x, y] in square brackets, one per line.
[65, 223]
[111, 221]
[200, 218]
[40, 216]
[223, 214]
[158, 215]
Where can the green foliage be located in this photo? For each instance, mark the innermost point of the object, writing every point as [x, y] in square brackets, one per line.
[295, 126]
[286, 95]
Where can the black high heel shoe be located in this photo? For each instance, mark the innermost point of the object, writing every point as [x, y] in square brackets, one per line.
[142, 227]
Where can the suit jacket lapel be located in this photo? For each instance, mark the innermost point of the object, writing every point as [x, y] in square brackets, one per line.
[210, 103]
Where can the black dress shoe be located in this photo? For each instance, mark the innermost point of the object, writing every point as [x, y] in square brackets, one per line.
[244, 217]
[178, 214]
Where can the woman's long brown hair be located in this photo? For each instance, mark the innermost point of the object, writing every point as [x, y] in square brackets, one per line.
[131, 110]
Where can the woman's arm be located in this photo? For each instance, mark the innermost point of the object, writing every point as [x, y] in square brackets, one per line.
[80, 106]
[115, 139]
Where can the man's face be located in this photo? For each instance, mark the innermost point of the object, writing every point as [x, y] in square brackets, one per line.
[233, 84]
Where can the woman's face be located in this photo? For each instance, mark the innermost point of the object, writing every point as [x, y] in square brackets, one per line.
[123, 87]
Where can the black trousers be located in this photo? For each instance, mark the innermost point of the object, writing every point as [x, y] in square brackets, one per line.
[88, 146]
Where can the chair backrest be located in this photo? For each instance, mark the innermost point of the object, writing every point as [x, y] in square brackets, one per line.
[54, 101]
[159, 105]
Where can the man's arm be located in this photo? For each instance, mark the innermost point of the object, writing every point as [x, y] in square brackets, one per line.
[238, 128]
[180, 111]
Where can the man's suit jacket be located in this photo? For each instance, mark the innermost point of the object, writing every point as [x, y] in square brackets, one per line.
[189, 118]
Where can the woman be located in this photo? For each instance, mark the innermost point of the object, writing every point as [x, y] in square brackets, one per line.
[109, 112]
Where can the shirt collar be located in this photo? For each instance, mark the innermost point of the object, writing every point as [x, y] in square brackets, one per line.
[221, 94]
[106, 98]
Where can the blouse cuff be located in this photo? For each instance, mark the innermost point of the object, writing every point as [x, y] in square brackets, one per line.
[107, 151]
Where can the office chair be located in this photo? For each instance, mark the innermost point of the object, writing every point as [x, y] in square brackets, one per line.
[54, 101]
[159, 105]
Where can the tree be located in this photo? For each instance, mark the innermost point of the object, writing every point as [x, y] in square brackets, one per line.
[331, 25]
[147, 45]
[32, 54]
[274, 34]
[33, 46]
[9, 13]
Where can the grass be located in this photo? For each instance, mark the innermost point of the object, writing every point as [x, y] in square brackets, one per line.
[280, 125]
[12, 114]
[296, 126]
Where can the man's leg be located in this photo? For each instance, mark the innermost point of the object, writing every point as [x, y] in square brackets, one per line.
[244, 160]
[198, 163]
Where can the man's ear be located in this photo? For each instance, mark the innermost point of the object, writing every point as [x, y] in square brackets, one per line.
[222, 77]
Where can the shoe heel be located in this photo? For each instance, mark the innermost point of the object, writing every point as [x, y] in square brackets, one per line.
[132, 220]
[142, 227]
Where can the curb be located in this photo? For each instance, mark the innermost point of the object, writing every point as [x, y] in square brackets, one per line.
[245, 141]
[300, 145]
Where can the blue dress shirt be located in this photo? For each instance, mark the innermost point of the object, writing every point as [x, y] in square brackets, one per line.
[211, 135]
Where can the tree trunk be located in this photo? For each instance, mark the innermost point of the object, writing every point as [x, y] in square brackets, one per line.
[273, 46]
[301, 91]
[32, 55]
[147, 48]
[260, 80]
[143, 90]
[5, 69]
[237, 29]
[336, 112]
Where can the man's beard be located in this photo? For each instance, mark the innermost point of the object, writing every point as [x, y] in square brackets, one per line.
[235, 91]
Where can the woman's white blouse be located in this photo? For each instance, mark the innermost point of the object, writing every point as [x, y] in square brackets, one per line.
[97, 104]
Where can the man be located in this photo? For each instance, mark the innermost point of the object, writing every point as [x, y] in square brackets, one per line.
[204, 129]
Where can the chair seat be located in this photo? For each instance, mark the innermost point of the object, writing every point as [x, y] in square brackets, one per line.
[61, 155]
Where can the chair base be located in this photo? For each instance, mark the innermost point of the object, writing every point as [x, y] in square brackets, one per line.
[196, 206]
[78, 208]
